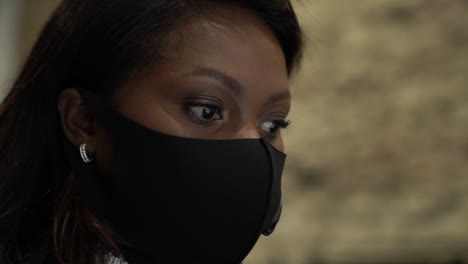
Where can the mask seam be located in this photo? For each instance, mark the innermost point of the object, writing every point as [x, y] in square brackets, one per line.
[270, 190]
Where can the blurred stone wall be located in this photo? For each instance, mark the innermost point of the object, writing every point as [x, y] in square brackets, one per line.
[377, 167]
[378, 149]
[20, 24]
[8, 31]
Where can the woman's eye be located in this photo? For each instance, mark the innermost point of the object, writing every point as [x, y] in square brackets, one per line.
[272, 127]
[203, 113]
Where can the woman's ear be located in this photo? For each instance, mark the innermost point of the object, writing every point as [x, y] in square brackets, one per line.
[77, 121]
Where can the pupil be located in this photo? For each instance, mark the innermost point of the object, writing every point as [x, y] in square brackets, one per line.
[208, 113]
[272, 127]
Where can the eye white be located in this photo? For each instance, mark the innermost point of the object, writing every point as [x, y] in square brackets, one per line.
[198, 110]
[268, 126]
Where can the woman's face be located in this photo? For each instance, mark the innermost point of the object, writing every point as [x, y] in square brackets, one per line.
[221, 80]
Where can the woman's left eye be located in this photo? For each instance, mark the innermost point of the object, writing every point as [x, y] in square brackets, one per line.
[272, 127]
[204, 113]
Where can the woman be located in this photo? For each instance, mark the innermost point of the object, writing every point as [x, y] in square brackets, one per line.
[147, 131]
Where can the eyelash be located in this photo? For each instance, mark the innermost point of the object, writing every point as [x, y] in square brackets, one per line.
[278, 123]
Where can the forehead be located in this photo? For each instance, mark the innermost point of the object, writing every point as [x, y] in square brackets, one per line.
[231, 40]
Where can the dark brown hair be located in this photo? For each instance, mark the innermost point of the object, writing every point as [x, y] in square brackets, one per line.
[96, 45]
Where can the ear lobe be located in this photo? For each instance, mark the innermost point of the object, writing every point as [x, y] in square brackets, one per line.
[77, 121]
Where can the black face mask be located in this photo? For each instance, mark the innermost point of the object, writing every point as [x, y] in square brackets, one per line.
[181, 200]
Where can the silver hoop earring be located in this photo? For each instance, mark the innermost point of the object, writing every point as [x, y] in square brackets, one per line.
[84, 154]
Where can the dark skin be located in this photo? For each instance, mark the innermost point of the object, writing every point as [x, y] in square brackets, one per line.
[223, 79]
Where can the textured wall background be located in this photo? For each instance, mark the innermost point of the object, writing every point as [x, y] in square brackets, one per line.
[377, 166]
[378, 147]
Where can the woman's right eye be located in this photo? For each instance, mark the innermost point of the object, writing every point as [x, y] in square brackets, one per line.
[204, 113]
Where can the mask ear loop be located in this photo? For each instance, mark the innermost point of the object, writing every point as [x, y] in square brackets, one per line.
[84, 154]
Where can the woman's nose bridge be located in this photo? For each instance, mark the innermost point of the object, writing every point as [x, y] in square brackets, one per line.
[248, 131]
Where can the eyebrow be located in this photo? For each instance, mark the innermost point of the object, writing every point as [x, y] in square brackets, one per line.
[232, 84]
[222, 77]
[279, 96]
